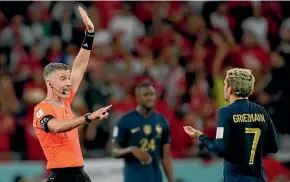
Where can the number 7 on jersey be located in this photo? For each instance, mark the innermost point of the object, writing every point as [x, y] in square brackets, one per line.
[257, 133]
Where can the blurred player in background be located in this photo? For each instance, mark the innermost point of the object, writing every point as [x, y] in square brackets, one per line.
[54, 123]
[245, 132]
[142, 139]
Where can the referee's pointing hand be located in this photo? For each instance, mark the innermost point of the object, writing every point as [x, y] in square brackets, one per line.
[100, 114]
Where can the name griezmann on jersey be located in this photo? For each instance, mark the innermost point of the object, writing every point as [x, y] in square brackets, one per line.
[248, 118]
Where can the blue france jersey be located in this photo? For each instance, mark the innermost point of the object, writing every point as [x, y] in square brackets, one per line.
[245, 133]
[149, 134]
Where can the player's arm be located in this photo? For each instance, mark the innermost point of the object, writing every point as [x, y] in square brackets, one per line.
[166, 155]
[221, 144]
[120, 152]
[81, 61]
[120, 148]
[119, 139]
[271, 144]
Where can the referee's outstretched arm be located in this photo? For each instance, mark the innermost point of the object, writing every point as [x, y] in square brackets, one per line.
[81, 61]
[57, 126]
[50, 124]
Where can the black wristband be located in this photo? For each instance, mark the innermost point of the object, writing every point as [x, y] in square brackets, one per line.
[88, 40]
[88, 120]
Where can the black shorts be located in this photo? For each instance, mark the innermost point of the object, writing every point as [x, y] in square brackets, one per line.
[74, 174]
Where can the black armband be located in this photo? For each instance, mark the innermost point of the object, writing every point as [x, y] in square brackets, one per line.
[88, 40]
[44, 121]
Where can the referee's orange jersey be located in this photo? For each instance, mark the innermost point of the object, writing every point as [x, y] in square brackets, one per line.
[61, 149]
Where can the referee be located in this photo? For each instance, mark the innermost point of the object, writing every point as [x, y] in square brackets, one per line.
[53, 120]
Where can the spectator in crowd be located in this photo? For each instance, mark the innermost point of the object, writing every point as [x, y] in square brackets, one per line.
[258, 25]
[127, 24]
[17, 33]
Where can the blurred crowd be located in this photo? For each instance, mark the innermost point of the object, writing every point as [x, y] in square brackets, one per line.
[184, 48]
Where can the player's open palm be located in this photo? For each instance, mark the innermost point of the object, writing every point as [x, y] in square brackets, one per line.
[192, 132]
[101, 113]
[143, 156]
[87, 21]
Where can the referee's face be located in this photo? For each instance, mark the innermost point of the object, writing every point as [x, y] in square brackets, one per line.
[61, 83]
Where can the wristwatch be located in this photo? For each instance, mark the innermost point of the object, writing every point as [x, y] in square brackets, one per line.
[88, 120]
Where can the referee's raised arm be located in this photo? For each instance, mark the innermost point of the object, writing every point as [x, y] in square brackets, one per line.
[81, 61]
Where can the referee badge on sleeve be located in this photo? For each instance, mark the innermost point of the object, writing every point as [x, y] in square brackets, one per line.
[220, 132]
[39, 113]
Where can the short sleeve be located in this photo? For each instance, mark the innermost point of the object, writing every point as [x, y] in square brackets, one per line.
[120, 133]
[166, 133]
[43, 113]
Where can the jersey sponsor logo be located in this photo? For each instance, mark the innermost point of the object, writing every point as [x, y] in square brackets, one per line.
[220, 132]
[39, 113]
[115, 132]
[134, 130]
[147, 129]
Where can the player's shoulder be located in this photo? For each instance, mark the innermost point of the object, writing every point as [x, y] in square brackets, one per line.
[258, 106]
[225, 109]
[128, 116]
[160, 119]
[160, 116]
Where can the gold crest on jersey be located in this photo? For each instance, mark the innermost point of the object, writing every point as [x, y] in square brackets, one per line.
[147, 129]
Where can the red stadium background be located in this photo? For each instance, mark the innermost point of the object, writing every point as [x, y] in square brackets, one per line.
[184, 48]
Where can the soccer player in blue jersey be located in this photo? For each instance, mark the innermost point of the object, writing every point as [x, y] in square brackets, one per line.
[245, 132]
[142, 138]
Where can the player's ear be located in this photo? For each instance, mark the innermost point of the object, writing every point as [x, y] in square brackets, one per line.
[231, 90]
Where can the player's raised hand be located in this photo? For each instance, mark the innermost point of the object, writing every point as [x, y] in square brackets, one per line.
[143, 156]
[87, 21]
[192, 132]
[101, 113]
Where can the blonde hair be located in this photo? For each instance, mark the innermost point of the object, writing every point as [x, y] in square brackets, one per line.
[241, 80]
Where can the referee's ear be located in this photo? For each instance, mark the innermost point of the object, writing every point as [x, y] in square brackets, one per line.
[48, 83]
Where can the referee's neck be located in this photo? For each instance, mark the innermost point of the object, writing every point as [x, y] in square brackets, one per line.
[55, 100]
